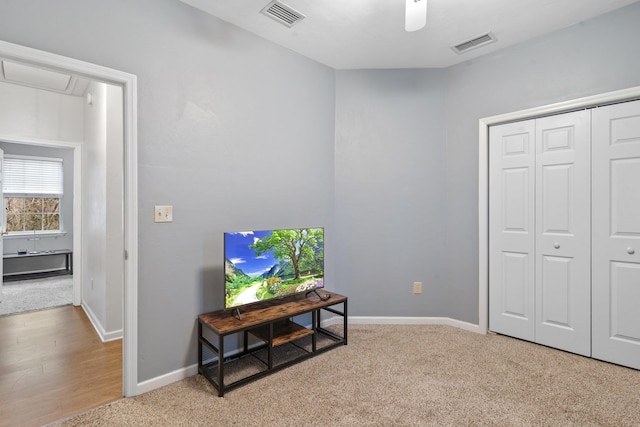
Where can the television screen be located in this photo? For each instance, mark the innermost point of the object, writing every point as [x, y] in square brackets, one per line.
[265, 264]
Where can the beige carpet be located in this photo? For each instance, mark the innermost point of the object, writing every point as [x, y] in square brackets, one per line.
[403, 376]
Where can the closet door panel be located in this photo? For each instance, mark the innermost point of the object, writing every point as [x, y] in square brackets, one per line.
[625, 216]
[555, 296]
[563, 279]
[625, 294]
[512, 230]
[616, 234]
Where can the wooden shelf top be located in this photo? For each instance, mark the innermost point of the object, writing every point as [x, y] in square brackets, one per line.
[283, 332]
[224, 322]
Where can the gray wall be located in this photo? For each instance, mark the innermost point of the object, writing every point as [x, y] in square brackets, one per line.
[406, 204]
[233, 131]
[390, 203]
[221, 111]
[593, 57]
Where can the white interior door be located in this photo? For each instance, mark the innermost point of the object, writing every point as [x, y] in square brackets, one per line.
[512, 229]
[563, 232]
[616, 234]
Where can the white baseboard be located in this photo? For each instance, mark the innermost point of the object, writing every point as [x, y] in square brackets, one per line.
[447, 321]
[104, 335]
[166, 379]
[113, 335]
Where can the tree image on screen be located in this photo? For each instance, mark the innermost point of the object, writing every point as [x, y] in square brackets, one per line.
[267, 264]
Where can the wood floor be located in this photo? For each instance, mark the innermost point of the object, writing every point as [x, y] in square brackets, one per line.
[53, 365]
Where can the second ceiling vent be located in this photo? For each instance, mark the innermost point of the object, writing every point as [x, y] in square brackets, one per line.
[286, 15]
[474, 43]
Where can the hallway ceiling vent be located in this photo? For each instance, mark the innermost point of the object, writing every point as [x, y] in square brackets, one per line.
[286, 15]
[474, 43]
[41, 78]
[27, 75]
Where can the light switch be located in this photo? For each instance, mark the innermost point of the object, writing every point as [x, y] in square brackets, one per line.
[163, 213]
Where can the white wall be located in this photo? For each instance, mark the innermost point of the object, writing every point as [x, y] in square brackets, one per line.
[33, 114]
[114, 213]
[27, 112]
[94, 207]
[102, 207]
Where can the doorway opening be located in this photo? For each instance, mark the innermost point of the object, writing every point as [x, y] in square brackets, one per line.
[126, 254]
[37, 219]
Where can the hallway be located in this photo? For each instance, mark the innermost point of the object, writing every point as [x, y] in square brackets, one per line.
[53, 365]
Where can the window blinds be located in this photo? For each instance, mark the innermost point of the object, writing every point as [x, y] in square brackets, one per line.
[31, 176]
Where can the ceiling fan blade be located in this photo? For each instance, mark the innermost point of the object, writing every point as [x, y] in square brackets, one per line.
[415, 15]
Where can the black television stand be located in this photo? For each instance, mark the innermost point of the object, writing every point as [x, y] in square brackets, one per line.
[279, 340]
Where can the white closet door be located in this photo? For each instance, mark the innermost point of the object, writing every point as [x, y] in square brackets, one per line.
[512, 229]
[563, 232]
[616, 234]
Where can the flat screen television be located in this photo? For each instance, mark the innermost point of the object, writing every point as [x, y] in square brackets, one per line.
[265, 264]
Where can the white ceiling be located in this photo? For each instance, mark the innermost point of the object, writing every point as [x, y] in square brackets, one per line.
[352, 34]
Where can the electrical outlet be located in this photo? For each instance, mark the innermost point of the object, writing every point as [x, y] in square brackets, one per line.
[417, 287]
[163, 214]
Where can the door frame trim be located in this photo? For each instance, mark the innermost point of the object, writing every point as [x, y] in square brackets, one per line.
[130, 261]
[483, 176]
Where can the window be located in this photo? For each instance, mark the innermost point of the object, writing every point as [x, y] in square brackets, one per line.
[33, 190]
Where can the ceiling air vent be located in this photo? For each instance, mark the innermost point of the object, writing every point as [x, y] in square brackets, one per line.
[474, 43]
[35, 77]
[282, 13]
